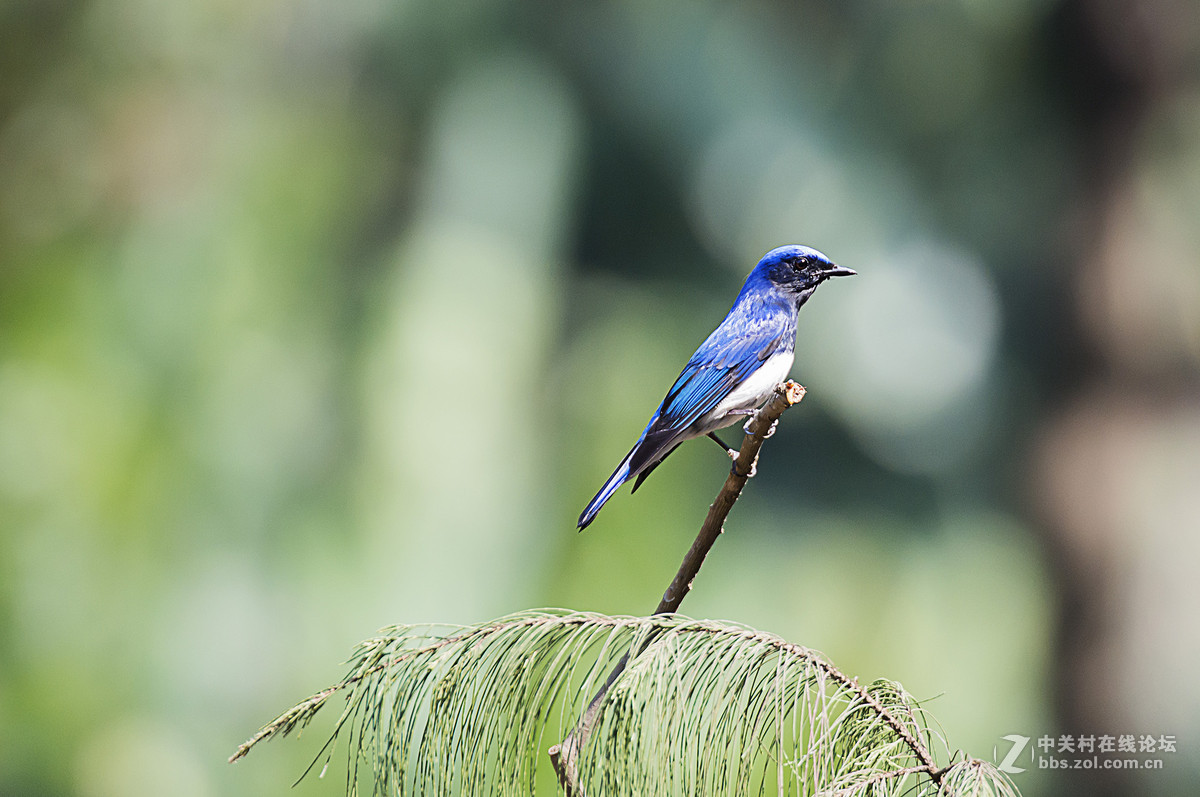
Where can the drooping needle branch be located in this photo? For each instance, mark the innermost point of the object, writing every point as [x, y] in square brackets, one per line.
[491, 689]
[565, 754]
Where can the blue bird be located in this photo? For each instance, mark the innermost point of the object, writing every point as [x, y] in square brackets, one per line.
[735, 370]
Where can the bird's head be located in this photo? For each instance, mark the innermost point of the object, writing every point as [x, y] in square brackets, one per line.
[798, 270]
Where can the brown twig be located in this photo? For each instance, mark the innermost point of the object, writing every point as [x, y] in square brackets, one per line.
[565, 754]
[919, 748]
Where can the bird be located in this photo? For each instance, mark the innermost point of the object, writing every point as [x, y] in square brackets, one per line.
[735, 370]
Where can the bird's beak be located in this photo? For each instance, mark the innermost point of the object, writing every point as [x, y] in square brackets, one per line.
[838, 271]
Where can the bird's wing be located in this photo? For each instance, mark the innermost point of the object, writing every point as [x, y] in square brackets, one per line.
[733, 352]
[715, 370]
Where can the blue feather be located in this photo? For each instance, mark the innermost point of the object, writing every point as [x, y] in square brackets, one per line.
[735, 369]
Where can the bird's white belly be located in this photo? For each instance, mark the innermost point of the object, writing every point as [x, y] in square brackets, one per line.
[748, 395]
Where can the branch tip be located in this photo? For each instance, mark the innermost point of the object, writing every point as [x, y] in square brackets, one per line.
[793, 392]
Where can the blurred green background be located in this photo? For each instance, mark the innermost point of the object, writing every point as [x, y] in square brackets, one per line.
[316, 317]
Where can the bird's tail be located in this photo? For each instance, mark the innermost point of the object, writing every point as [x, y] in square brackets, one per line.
[616, 480]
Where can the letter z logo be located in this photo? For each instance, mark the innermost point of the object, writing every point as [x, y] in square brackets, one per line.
[1018, 746]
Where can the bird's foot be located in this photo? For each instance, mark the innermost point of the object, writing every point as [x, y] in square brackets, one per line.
[753, 469]
[731, 452]
[770, 430]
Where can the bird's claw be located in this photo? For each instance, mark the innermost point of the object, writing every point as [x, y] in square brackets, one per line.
[753, 470]
[770, 429]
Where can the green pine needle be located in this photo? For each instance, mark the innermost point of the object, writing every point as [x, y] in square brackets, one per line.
[707, 708]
